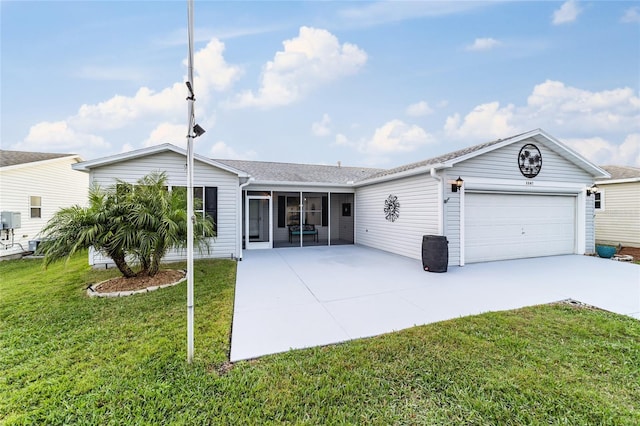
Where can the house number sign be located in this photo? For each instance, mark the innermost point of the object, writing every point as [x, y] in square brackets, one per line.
[392, 208]
[530, 160]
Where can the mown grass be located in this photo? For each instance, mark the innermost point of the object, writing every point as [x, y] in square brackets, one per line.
[68, 359]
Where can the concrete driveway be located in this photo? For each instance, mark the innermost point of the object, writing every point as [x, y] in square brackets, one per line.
[297, 298]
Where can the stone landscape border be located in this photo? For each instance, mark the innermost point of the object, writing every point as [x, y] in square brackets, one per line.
[91, 292]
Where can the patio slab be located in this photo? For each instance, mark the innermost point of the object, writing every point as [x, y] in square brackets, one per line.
[295, 298]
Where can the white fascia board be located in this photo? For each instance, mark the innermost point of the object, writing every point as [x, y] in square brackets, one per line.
[493, 147]
[111, 159]
[611, 181]
[566, 152]
[42, 162]
[263, 185]
[104, 161]
[407, 173]
[594, 170]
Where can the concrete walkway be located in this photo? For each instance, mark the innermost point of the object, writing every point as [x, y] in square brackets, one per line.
[296, 298]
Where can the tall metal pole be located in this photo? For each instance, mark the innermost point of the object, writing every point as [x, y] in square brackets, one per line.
[190, 217]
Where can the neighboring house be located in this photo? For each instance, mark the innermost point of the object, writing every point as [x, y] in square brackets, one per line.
[617, 207]
[524, 196]
[36, 185]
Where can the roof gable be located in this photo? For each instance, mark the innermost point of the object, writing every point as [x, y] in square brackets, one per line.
[455, 157]
[144, 152]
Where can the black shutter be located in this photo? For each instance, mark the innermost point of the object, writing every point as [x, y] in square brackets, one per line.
[282, 211]
[211, 205]
[325, 211]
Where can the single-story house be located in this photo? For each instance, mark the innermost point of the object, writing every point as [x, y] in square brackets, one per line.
[33, 186]
[523, 196]
[617, 207]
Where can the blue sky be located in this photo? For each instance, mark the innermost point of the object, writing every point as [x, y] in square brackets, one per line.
[365, 83]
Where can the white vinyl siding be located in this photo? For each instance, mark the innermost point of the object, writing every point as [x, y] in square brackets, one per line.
[514, 226]
[619, 221]
[205, 175]
[502, 165]
[54, 181]
[418, 215]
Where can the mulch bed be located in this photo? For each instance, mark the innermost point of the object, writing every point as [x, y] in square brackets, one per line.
[166, 276]
[631, 251]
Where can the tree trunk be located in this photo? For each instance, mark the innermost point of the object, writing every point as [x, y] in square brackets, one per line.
[155, 266]
[121, 263]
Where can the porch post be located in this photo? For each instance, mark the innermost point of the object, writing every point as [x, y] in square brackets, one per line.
[329, 216]
[300, 218]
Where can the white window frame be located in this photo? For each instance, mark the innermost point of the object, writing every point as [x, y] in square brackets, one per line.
[33, 206]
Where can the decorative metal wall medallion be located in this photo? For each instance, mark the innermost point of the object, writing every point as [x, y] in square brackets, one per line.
[530, 160]
[392, 208]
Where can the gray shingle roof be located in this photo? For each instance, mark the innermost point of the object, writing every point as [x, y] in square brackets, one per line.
[622, 172]
[289, 172]
[438, 160]
[13, 158]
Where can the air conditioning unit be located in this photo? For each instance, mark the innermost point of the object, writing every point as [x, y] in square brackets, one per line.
[10, 220]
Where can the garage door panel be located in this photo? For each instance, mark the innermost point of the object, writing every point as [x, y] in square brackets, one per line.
[512, 226]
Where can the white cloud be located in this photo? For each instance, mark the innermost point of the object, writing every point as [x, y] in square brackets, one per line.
[175, 134]
[396, 136]
[568, 12]
[222, 151]
[603, 152]
[342, 140]
[212, 71]
[419, 109]
[57, 136]
[313, 58]
[483, 44]
[631, 15]
[155, 109]
[322, 127]
[555, 106]
[120, 111]
[127, 147]
[583, 110]
[486, 121]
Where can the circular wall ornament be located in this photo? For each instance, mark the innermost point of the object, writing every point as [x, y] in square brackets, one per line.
[530, 160]
[392, 208]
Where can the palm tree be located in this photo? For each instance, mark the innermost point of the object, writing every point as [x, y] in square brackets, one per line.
[139, 221]
[158, 219]
[77, 228]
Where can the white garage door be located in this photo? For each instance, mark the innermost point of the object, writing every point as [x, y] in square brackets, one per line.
[513, 226]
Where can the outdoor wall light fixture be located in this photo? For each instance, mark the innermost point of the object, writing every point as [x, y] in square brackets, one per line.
[592, 190]
[457, 184]
[199, 131]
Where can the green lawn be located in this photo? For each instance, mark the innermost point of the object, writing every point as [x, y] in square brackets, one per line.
[68, 359]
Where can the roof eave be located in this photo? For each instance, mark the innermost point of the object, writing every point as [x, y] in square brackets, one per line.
[612, 181]
[105, 161]
[407, 173]
[41, 162]
[258, 182]
[576, 158]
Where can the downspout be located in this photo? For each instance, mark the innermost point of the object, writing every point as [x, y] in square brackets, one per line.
[440, 200]
[240, 224]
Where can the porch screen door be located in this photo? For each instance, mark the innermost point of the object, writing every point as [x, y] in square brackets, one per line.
[258, 231]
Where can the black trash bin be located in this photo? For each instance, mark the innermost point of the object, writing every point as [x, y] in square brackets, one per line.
[435, 253]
